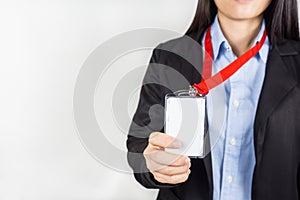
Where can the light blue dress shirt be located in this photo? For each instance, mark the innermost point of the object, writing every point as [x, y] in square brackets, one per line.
[233, 157]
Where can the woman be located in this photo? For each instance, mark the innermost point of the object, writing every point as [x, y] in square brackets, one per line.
[258, 153]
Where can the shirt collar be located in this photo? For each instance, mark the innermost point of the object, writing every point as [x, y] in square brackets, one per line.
[220, 43]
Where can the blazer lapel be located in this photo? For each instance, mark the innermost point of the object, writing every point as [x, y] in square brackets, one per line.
[208, 168]
[208, 164]
[277, 84]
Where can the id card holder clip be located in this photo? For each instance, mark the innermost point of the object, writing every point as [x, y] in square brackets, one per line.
[185, 119]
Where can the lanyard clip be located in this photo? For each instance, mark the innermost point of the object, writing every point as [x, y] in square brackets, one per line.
[193, 91]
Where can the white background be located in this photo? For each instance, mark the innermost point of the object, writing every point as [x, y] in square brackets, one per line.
[43, 45]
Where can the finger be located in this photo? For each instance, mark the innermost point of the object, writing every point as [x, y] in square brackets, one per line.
[164, 141]
[171, 170]
[174, 179]
[166, 158]
[167, 170]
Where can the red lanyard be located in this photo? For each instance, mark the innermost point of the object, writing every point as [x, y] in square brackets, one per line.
[208, 81]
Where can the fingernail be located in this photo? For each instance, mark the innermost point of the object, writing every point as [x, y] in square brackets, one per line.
[189, 171]
[190, 164]
[187, 160]
[176, 144]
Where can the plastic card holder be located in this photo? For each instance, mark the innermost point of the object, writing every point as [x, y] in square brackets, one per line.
[185, 120]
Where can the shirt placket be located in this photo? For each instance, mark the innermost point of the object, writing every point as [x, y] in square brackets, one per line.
[232, 137]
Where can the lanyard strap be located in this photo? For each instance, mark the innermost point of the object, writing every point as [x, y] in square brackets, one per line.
[208, 81]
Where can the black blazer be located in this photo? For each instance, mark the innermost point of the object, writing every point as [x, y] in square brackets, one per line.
[177, 64]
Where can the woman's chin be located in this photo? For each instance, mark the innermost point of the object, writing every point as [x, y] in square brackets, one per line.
[240, 14]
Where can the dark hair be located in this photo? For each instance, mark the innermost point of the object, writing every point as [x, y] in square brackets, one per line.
[281, 19]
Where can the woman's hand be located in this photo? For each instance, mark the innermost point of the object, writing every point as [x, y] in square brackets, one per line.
[166, 167]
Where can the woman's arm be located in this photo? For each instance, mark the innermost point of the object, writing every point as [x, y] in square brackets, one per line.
[149, 118]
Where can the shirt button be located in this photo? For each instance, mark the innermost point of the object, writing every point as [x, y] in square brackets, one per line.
[233, 141]
[229, 179]
[236, 103]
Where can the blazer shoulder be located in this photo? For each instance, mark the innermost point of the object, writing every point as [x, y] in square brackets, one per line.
[189, 42]
[289, 51]
[180, 42]
[289, 47]
[184, 47]
[295, 44]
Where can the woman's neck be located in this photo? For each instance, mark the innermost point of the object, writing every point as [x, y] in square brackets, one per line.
[240, 33]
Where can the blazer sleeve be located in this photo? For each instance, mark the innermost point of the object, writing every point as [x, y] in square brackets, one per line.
[148, 118]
